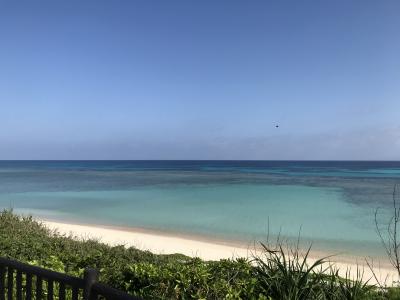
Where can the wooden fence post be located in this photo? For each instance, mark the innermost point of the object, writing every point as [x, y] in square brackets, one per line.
[90, 276]
[2, 282]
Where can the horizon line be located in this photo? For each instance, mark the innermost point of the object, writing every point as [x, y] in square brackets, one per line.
[199, 160]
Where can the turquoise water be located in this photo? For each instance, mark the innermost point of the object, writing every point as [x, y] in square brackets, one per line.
[332, 203]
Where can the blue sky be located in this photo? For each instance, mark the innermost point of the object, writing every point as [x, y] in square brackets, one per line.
[199, 80]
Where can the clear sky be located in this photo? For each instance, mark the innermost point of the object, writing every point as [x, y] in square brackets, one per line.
[200, 79]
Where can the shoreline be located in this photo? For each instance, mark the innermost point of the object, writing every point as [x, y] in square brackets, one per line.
[207, 249]
[316, 252]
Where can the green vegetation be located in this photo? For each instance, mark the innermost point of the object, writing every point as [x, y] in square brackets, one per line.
[276, 275]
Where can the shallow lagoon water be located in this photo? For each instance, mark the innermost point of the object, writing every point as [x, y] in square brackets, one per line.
[332, 203]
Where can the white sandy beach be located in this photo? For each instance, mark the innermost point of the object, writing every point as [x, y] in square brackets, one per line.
[209, 250]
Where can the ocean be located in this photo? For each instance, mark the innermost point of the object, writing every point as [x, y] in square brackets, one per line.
[330, 204]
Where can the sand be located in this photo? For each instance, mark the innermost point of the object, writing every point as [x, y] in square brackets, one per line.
[161, 243]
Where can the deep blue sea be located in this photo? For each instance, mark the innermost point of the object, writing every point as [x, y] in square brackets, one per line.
[332, 203]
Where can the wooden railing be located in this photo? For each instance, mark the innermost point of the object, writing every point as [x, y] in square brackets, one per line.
[22, 281]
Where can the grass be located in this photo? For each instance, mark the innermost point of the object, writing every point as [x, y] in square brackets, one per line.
[279, 273]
